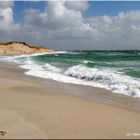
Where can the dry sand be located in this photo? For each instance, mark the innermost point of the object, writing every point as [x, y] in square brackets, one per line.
[33, 109]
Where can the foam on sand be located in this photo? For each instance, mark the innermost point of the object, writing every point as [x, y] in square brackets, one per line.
[79, 74]
[111, 80]
[108, 78]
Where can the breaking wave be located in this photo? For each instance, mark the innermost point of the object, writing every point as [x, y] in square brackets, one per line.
[96, 77]
[102, 77]
[107, 78]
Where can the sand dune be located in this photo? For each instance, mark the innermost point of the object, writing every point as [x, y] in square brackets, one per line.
[20, 48]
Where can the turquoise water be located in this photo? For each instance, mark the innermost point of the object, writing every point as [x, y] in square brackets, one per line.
[126, 62]
[118, 72]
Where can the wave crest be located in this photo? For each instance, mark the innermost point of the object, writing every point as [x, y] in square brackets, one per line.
[109, 79]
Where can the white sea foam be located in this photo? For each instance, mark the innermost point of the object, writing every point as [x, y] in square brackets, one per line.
[87, 61]
[32, 67]
[51, 68]
[62, 52]
[98, 77]
[109, 79]
[16, 58]
[11, 58]
[57, 52]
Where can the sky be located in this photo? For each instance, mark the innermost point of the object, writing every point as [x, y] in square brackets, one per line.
[72, 25]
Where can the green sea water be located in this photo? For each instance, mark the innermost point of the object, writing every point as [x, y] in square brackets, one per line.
[117, 71]
[126, 62]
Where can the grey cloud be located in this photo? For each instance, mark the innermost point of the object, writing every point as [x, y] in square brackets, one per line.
[77, 5]
[6, 14]
[5, 4]
[35, 18]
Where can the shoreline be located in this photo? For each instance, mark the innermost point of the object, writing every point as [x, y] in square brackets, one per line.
[49, 109]
[112, 81]
[100, 95]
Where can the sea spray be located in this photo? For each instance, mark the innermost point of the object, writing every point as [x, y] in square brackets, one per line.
[115, 71]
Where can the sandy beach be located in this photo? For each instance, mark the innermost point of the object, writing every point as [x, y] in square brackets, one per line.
[36, 108]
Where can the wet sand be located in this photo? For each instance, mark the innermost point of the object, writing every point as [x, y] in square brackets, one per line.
[37, 108]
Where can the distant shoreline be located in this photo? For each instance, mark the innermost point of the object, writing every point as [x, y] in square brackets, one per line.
[18, 47]
[105, 50]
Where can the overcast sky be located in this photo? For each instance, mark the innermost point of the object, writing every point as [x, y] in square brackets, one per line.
[67, 25]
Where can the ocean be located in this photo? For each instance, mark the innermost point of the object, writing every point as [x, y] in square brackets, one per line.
[118, 72]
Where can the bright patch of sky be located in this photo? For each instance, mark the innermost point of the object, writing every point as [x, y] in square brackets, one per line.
[111, 8]
[20, 6]
[65, 25]
[96, 8]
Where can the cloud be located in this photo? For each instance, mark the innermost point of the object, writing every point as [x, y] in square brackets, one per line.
[78, 5]
[7, 25]
[62, 26]
[61, 17]
[34, 17]
[119, 31]
[5, 4]
[6, 15]
[57, 22]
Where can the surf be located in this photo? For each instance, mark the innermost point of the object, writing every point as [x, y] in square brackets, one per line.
[109, 70]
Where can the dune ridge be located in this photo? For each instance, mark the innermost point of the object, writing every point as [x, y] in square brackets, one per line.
[20, 48]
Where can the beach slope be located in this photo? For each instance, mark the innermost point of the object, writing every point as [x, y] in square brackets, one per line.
[31, 109]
